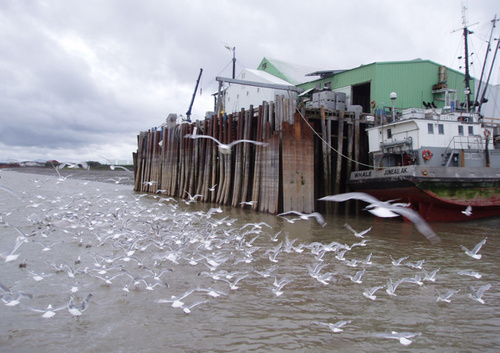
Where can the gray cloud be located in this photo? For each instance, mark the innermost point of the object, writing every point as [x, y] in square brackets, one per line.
[83, 78]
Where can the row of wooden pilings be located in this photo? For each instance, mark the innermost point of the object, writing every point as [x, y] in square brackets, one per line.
[308, 155]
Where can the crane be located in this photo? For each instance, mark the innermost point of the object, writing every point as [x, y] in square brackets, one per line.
[188, 113]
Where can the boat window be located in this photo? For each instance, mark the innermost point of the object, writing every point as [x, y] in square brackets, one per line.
[460, 130]
[430, 128]
[471, 130]
[389, 133]
[441, 129]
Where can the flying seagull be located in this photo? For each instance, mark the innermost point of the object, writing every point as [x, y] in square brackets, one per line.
[386, 209]
[225, 148]
[474, 252]
[316, 215]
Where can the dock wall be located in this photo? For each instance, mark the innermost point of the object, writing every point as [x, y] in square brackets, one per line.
[301, 162]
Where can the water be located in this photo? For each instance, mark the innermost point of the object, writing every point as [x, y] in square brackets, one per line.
[96, 221]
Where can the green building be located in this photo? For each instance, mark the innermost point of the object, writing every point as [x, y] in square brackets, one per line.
[370, 86]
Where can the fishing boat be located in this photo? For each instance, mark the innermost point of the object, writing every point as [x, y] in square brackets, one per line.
[444, 162]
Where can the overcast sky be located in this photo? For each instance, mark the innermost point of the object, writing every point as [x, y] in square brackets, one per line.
[80, 79]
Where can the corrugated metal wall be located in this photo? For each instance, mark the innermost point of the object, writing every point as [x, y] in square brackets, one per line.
[411, 80]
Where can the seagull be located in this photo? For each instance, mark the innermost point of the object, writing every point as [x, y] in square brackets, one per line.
[356, 234]
[225, 148]
[398, 262]
[402, 337]
[478, 294]
[386, 209]
[468, 211]
[391, 287]
[447, 296]
[191, 198]
[211, 292]
[370, 292]
[77, 310]
[212, 189]
[187, 309]
[113, 166]
[11, 256]
[248, 203]
[176, 301]
[305, 216]
[47, 312]
[233, 285]
[357, 276]
[474, 252]
[430, 276]
[334, 327]
[470, 273]
[10, 299]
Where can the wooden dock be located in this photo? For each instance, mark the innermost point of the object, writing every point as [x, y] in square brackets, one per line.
[308, 155]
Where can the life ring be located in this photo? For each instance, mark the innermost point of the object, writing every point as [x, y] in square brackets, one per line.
[426, 154]
[487, 133]
[372, 103]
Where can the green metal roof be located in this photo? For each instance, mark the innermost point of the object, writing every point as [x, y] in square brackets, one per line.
[413, 81]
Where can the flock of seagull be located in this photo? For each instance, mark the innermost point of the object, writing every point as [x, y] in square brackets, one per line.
[137, 245]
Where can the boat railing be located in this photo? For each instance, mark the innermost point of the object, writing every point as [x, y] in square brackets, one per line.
[491, 122]
[459, 143]
[471, 142]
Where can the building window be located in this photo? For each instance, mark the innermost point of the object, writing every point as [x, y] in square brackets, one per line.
[430, 128]
[471, 130]
[441, 129]
[460, 130]
[389, 133]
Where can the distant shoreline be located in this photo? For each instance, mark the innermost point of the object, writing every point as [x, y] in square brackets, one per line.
[117, 176]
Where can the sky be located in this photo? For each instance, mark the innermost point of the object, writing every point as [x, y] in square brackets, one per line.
[79, 80]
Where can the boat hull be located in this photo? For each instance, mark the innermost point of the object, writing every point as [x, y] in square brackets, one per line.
[437, 193]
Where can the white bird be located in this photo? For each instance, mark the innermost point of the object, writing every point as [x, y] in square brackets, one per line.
[226, 148]
[478, 294]
[430, 276]
[211, 292]
[471, 273]
[336, 327]
[10, 256]
[370, 292]
[233, 285]
[386, 209]
[474, 252]
[191, 198]
[357, 234]
[467, 211]
[47, 312]
[113, 166]
[304, 216]
[392, 286]
[176, 301]
[10, 299]
[398, 262]
[402, 337]
[77, 310]
[248, 203]
[447, 296]
[357, 276]
[187, 309]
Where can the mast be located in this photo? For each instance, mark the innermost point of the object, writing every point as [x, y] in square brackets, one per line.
[467, 74]
[485, 59]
